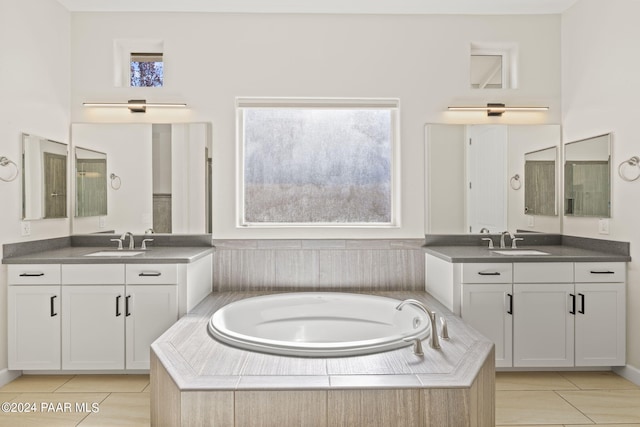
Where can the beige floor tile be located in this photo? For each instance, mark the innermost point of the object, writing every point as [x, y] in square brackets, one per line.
[535, 407]
[105, 383]
[52, 409]
[532, 381]
[537, 425]
[604, 425]
[36, 383]
[121, 409]
[599, 380]
[606, 406]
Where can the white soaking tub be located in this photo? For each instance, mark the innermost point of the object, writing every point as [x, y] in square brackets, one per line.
[318, 324]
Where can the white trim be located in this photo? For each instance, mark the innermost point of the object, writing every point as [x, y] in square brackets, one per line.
[6, 376]
[629, 372]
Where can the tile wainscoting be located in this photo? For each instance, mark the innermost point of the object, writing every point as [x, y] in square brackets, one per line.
[272, 265]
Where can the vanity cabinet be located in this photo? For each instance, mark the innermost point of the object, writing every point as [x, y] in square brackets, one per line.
[97, 316]
[542, 314]
[34, 317]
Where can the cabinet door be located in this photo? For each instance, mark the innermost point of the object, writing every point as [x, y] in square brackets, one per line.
[93, 327]
[600, 324]
[487, 308]
[150, 310]
[543, 325]
[34, 327]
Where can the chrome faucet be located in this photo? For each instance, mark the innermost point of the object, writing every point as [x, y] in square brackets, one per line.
[504, 233]
[124, 237]
[433, 342]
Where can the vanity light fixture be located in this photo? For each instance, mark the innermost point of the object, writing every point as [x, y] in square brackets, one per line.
[496, 110]
[135, 105]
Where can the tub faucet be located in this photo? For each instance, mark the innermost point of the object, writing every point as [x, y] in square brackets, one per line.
[124, 237]
[433, 342]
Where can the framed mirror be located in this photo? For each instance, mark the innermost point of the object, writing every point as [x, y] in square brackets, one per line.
[91, 182]
[587, 177]
[44, 178]
[468, 169]
[540, 177]
[158, 177]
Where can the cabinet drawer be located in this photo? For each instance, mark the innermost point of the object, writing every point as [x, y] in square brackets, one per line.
[93, 274]
[600, 272]
[543, 272]
[152, 274]
[498, 272]
[34, 274]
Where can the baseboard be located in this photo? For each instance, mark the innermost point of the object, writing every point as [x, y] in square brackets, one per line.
[629, 372]
[6, 376]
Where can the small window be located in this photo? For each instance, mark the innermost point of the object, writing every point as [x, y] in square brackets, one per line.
[147, 70]
[493, 66]
[317, 162]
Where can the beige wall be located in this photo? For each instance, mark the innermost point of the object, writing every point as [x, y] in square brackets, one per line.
[599, 68]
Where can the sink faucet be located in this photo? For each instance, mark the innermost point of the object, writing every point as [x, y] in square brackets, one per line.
[124, 237]
[434, 342]
[505, 233]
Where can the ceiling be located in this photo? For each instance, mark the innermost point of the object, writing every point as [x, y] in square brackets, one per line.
[474, 7]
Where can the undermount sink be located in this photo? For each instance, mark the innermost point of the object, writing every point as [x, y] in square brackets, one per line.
[115, 253]
[520, 252]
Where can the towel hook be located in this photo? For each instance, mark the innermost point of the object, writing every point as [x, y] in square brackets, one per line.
[4, 161]
[633, 161]
[515, 182]
[116, 182]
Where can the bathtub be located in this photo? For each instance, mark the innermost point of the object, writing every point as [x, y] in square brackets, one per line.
[318, 324]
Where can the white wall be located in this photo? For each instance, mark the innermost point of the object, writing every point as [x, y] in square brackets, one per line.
[212, 58]
[600, 95]
[35, 87]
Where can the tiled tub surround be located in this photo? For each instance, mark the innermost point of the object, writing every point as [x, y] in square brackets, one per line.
[268, 265]
[196, 380]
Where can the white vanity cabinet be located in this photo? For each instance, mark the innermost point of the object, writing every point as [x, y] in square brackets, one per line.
[487, 300]
[34, 317]
[543, 329]
[600, 319]
[539, 314]
[97, 317]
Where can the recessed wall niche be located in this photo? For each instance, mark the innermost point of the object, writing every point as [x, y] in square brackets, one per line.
[493, 65]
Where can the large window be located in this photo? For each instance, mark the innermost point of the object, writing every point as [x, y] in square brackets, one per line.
[317, 162]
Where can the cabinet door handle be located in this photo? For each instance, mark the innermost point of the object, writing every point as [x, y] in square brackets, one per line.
[602, 272]
[573, 304]
[581, 311]
[127, 313]
[489, 273]
[31, 274]
[510, 309]
[52, 306]
[118, 313]
[150, 274]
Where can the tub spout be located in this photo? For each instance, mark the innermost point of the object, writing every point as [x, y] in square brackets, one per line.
[433, 342]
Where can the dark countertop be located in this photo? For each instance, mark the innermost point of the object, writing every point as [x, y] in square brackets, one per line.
[556, 253]
[76, 255]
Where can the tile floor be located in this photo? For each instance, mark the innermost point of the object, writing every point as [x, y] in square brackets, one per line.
[531, 399]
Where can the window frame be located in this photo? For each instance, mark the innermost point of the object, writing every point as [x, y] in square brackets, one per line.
[392, 104]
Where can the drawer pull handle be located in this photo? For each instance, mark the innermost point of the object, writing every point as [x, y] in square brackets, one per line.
[573, 304]
[150, 274]
[53, 309]
[489, 273]
[581, 311]
[127, 313]
[510, 309]
[602, 272]
[118, 313]
[31, 274]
